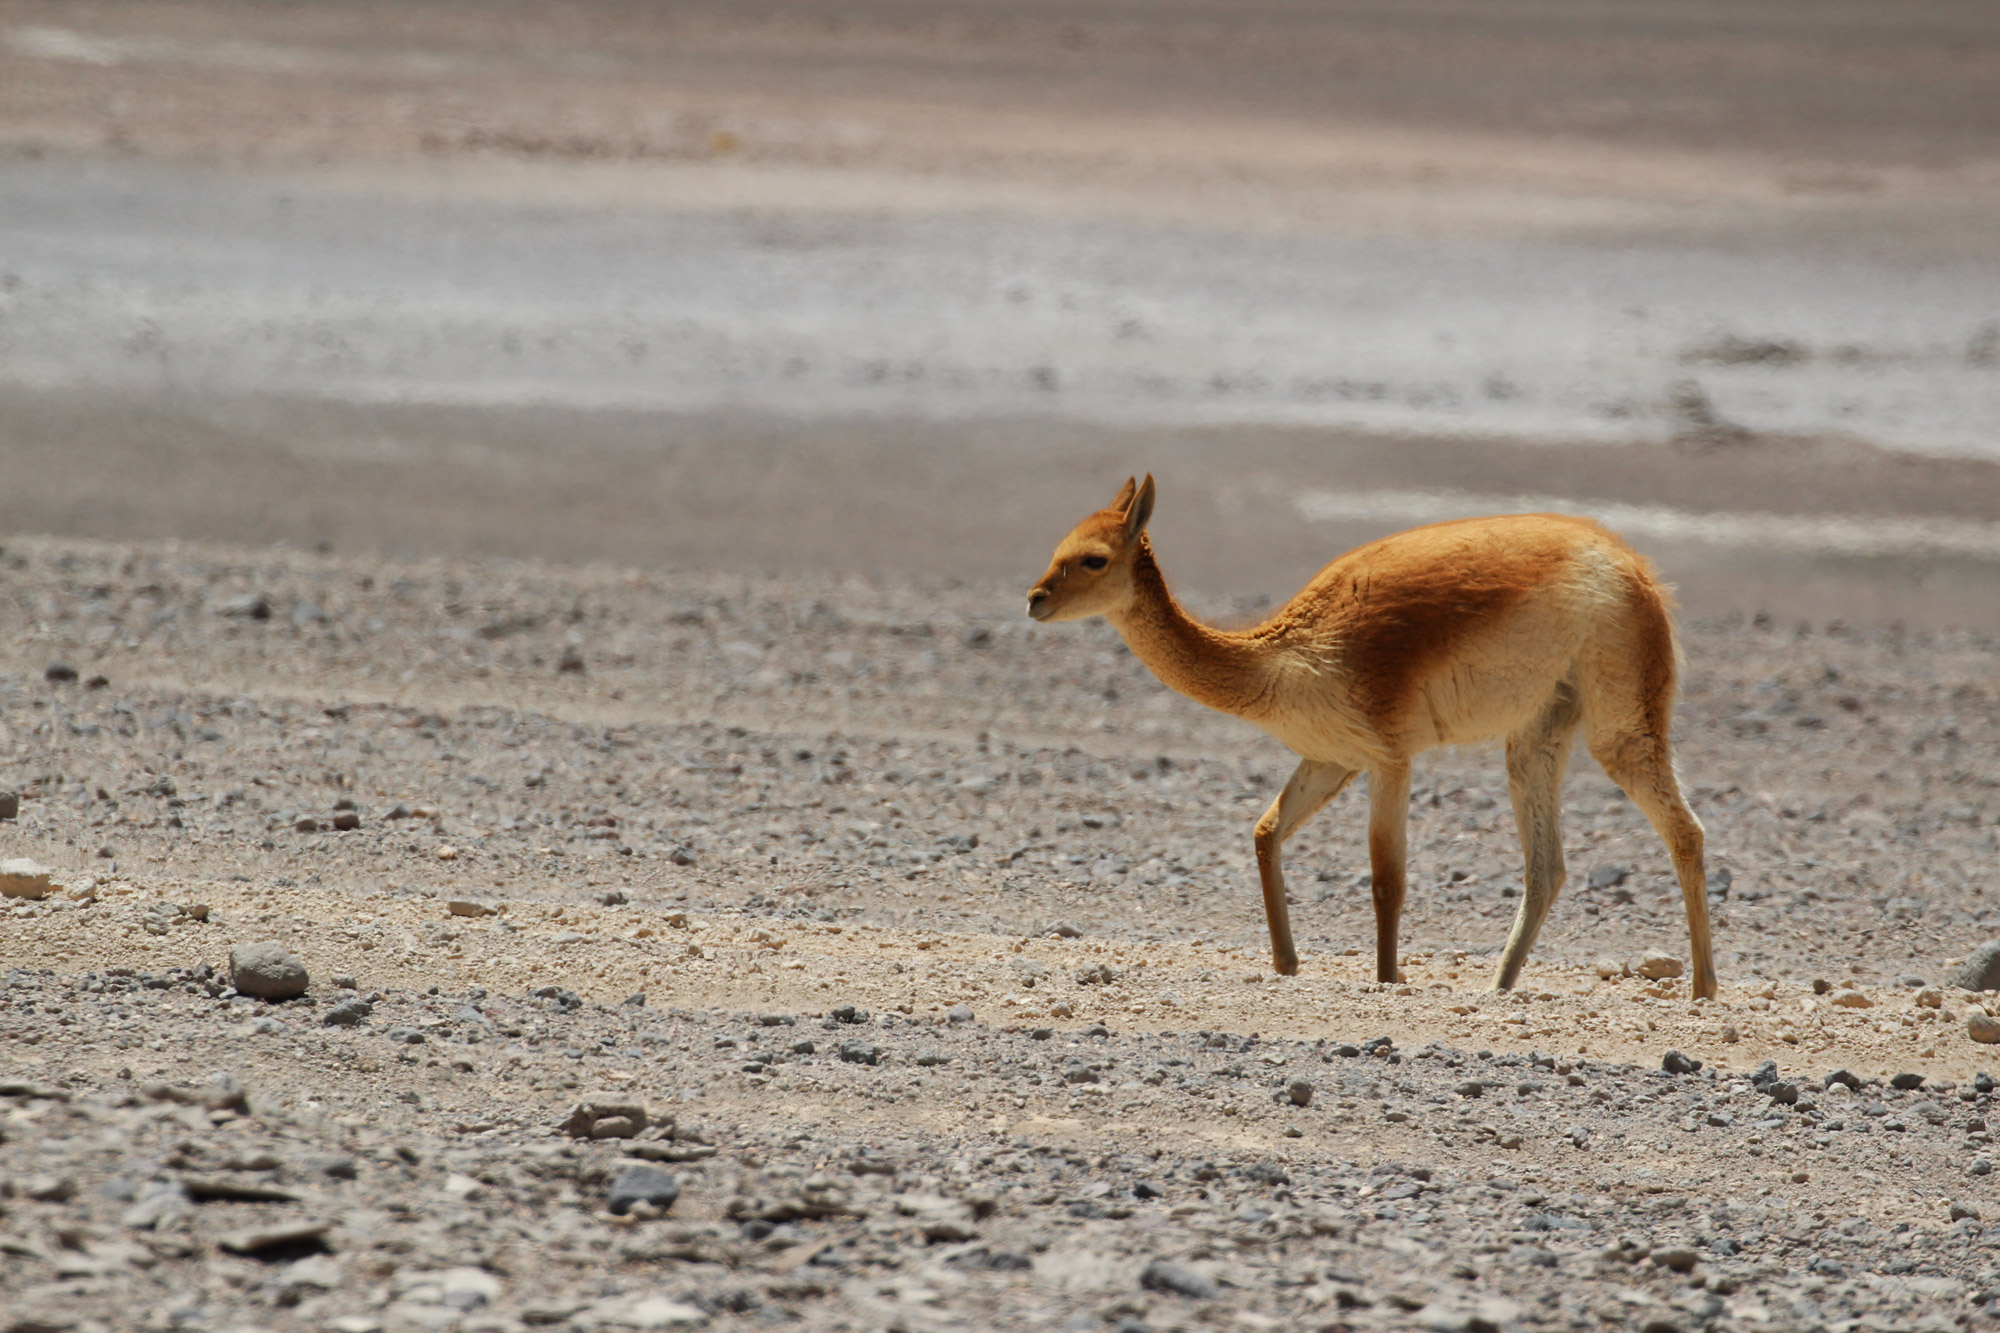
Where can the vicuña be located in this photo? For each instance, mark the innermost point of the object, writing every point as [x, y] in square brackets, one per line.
[1519, 627]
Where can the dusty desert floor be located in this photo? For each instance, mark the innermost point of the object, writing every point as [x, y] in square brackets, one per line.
[527, 506]
[750, 803]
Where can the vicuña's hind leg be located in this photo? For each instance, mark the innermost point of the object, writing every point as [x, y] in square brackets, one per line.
[1311, 787]
[1644, 767]
[1388, 840]
[1536, 757]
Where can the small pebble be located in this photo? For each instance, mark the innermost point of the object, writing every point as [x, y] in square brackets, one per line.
[1655, 965]
[348, 1013]
[642, 1184]
[1677, 1259]
[1160, 1275]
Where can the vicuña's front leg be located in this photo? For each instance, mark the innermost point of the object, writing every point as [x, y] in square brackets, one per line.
[1312, 786]
[1388, 837]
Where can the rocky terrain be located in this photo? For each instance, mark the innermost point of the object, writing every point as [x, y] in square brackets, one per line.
[905, 959]
[520, 929]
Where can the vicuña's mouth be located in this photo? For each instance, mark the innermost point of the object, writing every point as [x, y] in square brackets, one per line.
[1039, 605]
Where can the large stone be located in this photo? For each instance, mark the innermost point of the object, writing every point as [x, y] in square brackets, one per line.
[1981, 969]
[22, 878]
[607, 1115]
[1983, 1028]
[267, 970]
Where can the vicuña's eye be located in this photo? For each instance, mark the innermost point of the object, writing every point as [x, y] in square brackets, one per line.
[1095, 562]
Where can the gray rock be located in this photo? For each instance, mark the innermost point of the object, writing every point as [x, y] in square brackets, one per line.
[257, 1240]
[1608, 877]
[1983, 1028]
[1677, 1258]
[1300, 1090]
[10, 805]
[958, 1014]
[462, 1289]
[642, 1184]
[225, 1092]
[1981, 969]
[160, 1201]
[1676, 1063]
[1175, 1280]
[23, 878]
[1907, 1082]
[332, 1165]
[857, 1052]
[267, 970]
[605, 1116]
[348, 1013]
[248, 606]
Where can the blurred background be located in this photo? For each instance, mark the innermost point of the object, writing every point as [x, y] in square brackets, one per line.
[903, 287]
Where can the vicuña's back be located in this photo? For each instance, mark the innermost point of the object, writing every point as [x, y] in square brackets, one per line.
[1519, 627]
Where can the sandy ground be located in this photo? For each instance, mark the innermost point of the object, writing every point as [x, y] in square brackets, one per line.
[598, 452]
[755, 801]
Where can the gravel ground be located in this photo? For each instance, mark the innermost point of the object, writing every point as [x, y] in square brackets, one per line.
[927, 939]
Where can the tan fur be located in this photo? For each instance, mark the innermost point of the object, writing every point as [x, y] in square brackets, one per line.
[1518, 628]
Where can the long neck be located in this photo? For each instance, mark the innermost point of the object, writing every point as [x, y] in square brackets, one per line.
[1211, 666]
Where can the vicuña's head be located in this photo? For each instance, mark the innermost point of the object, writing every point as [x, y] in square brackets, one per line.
[1091, 574]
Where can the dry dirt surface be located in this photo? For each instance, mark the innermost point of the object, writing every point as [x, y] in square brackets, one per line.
[927, 940]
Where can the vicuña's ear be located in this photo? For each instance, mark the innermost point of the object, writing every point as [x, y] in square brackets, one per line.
[1140, 510]
[1124, 497]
